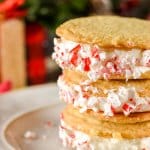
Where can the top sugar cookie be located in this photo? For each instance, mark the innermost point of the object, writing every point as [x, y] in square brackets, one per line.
[107, 32]
[104, 47]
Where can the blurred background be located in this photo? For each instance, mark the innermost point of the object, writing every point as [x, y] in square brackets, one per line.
[27, 29]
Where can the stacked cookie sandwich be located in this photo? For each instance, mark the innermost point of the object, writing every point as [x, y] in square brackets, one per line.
[105, 82]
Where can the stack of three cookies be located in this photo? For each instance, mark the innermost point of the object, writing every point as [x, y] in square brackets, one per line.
[105, 81]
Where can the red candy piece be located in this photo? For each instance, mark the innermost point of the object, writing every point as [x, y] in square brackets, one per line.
[86, 95]
[132, 100]
[112, 66]
[74, 57]
[127, 108]
[112, 109]
[72, 136]
[95, 53]
[87, 63]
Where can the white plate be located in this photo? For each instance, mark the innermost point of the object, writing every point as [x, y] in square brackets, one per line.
[43, 122]
[13, 109]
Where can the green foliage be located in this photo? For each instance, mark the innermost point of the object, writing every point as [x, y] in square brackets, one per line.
[51, 13]
[116, 4]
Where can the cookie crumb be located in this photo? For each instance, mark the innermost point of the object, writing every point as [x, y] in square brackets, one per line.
[30, 135]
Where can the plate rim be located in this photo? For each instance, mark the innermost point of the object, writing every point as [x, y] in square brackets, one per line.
[17, 116]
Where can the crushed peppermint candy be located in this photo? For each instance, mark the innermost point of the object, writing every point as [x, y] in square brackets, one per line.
[74, 57]
[128, 108]
[78, 140]
[123, 99]
[99, 63]
[73, 139]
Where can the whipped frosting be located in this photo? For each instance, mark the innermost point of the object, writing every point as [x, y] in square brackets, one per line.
[100, 63]
[81, 141]
[123, 99]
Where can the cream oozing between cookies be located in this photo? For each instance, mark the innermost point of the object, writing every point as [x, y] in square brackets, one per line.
[98, 62]
[79, 140]
[123, 99]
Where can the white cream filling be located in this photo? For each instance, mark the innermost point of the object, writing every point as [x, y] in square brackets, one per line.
[81, 141]
[101, 63]
[123, 99]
